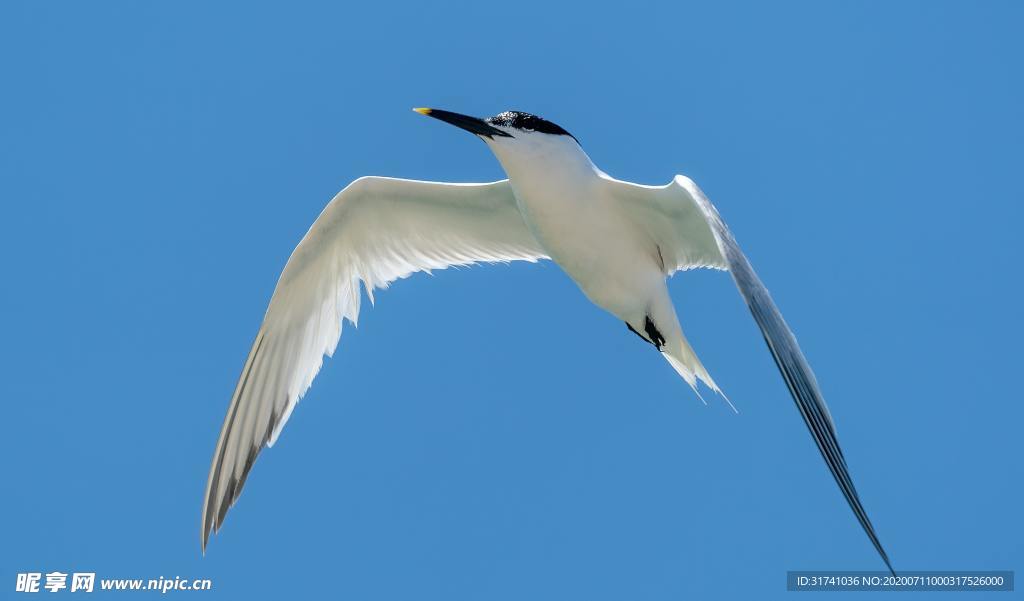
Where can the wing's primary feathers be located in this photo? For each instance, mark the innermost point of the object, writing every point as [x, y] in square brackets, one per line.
[373, 232]
[681, 202]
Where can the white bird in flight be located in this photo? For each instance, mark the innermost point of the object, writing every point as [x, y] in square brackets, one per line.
[618, 241]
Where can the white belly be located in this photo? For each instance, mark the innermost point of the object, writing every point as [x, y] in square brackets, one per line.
[581, 227]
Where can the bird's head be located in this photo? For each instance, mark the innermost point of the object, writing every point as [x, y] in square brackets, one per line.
[516, 138]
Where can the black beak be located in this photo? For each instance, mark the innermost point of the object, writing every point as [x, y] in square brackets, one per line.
[470, 124]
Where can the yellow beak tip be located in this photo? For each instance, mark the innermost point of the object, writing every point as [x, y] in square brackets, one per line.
[423, 111]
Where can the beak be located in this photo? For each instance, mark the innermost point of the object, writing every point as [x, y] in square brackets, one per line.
[470, 124]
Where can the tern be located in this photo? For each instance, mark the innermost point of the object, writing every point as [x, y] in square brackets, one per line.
[618, 241]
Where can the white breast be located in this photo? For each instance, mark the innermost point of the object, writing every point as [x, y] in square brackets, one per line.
[570, 209]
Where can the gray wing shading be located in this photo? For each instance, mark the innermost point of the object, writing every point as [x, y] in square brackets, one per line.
[373, 232]
[797, 373]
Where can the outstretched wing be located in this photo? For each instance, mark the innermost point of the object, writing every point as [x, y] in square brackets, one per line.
[374, 231]
[690, 233]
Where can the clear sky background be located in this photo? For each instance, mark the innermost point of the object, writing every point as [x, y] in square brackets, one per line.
[487, 433]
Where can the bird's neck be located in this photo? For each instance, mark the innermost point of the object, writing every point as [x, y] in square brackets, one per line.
[550, 163]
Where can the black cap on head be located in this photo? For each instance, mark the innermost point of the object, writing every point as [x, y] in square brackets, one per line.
[527, 122]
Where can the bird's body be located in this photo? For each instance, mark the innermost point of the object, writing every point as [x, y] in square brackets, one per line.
[617, 240]
[581, 218]
[576, 220]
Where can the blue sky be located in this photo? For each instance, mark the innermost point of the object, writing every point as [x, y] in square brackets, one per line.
[487, 433]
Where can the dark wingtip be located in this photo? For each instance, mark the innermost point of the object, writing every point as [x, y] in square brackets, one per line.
[803, 387]
[790, 360]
